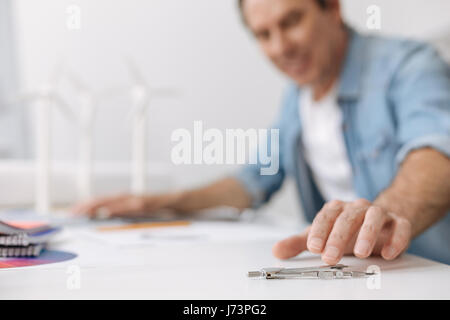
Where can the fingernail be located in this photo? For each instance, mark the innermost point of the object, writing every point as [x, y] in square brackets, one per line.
[362, 247]
[331, 253]
[390, 252]
[315, 244]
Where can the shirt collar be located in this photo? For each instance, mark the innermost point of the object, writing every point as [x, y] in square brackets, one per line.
[351, 75]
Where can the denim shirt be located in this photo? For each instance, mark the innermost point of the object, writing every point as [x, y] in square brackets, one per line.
[395, 97]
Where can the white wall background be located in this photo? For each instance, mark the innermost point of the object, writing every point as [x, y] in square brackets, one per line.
[198, 46]
[12, 142]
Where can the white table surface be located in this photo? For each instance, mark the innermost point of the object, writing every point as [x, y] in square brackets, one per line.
[206, 270]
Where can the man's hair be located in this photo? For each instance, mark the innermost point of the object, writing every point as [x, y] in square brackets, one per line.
[321, 3]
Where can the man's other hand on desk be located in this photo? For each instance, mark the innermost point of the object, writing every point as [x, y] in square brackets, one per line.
[125, 205]
[357, 227]
[225, 192]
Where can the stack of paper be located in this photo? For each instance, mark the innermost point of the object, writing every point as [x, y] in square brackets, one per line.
[24, 239]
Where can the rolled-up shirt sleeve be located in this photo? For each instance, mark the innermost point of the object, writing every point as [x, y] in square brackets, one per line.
[261, 187]
[420, 94]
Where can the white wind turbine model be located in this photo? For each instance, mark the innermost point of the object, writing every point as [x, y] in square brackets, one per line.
[44, 100]
[85, 122]
[141, 94]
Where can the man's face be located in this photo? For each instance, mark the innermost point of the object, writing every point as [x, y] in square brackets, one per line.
[298, 36]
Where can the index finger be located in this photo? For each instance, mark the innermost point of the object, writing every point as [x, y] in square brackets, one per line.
[322, 225]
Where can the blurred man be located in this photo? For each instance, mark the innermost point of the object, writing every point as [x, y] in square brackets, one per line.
[364, 130]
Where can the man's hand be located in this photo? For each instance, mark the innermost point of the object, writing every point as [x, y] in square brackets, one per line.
[357, 227]
[418, 197]
[126, 205]
[224, 192]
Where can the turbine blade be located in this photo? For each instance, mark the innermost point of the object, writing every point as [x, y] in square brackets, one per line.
[135, 73]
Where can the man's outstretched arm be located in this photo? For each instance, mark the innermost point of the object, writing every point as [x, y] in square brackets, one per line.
[421, 190]
[226, 192]
[418, 197]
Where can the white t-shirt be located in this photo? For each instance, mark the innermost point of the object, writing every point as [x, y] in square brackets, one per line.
[324, 146]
